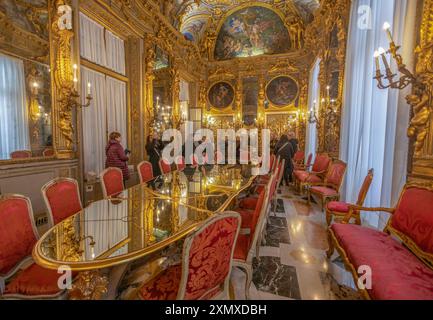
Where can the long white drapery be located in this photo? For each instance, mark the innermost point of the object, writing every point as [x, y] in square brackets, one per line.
[313, 96]
[94, 121]
[372, 119]
[14, 126]
[101, 46]
[107, 113]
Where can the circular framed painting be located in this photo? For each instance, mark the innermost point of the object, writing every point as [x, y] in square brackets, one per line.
[282, 91]
[221, 95]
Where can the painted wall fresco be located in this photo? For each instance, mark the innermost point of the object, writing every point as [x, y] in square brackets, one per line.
[282, 91]
[30, 15]
[221, 95]
[251, 32]
[193, 30]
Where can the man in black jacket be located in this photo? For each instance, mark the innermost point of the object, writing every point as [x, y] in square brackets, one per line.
[294, 142]
[284, 149]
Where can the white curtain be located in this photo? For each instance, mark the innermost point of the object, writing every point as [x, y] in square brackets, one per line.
[372, 119]
[115, 52]
[107, 113]
[94, 121]
[116, 107]
[14, 128]
[101, 46]
[92, 41]
[313, 96]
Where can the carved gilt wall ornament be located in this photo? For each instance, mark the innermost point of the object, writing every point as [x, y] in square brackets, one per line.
[63, 74]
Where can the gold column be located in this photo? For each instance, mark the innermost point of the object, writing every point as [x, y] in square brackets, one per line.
[149, 58]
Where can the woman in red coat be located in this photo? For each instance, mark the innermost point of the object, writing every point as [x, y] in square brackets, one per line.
[116, 156]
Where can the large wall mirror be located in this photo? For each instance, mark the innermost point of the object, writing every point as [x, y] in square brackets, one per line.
[25, 81]
[162, 93]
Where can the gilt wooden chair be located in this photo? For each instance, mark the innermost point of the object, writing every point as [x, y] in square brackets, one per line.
[111, 182]
[145, 171]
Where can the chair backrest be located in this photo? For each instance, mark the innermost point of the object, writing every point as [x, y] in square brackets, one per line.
[309, 160]
[111, 182]
[164, 166]
[180, 163]
[48, 152]
[193, 160]
[321, 163]
[21, 154]
[208, 255]
[299, 157]
[18, 233]
[272, 162]
[145, 171]
[365, 187]
[62, 198]
[412, 220]
[280, 172]
[335, 174]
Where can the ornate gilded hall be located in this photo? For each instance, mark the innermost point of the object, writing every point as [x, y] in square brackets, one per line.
[216, 150]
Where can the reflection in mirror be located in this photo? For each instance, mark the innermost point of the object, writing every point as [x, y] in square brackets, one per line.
[162, 98]
[250, 100]
[25, 85]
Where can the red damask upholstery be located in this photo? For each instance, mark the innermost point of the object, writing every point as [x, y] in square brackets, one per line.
[251, 221]
[321, 163]
[414, 217]
[164, 166]
[338, 206]
[145, 171]
[242, 247]
[111, 182]
[207, 263]
[18, 233]
[34, 281]
[248, 203]
[306, 177]
[397, 274]
[21, 154]
[336, 173]
[164, 287]
[62, 198]
[299, 156]
[180, 163]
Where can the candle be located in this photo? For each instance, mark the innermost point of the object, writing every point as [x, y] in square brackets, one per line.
[89, 89]
[382, 52]
[387, 28]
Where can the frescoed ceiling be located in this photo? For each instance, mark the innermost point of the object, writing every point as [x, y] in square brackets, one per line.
[192, 17]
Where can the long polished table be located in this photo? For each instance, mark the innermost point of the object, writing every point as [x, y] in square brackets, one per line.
[141, 220]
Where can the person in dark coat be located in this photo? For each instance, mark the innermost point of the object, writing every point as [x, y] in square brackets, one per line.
[153, 149]
[116, 156]
[284, 149]
[294, 142]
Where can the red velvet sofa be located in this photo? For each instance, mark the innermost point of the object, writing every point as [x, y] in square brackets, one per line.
[400, 257]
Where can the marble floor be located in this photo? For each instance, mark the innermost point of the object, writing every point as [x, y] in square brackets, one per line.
[293, 262]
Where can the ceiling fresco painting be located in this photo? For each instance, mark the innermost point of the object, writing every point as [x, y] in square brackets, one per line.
[251, 32]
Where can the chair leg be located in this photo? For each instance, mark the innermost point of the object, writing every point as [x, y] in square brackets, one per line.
[331, 248]
[249, 273]
[328, 217]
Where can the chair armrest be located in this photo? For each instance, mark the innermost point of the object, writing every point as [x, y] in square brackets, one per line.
[353, 208]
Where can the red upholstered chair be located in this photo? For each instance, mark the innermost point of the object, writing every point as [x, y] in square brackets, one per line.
[48, 152]
[341, 209]
[247, 245]
[180, 163]
[400, 257]
[304, 165]
[207, 261]
[330, 188]
[164, 166]
[145, 171]
[299, 159]
[62, 198]
[111, 182]
[317, 174]
[18, 234]
[21, 154]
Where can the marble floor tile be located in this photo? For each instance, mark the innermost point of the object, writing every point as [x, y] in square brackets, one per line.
[273, 277]
[276, 235]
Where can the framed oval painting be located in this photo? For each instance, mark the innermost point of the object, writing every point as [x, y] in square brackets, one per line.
[282, 91]
[221, 95]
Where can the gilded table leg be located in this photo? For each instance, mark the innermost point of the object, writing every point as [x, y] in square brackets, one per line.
[89, 285]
